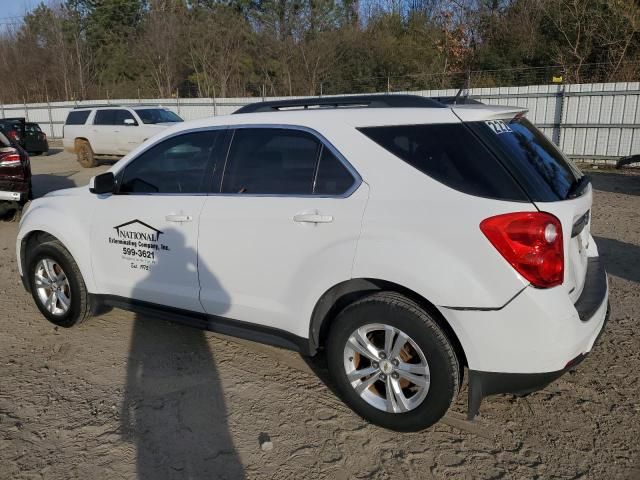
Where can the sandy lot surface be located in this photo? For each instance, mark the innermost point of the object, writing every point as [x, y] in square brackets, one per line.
[127, 396]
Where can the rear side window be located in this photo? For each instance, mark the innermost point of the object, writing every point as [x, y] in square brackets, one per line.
[279, 161]
[450, 154]
[332, 178]
[177, 165]
[543, 171]
[77, 117]
[271, 161]
[105, 117]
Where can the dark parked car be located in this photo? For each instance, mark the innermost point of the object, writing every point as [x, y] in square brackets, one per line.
[15, 176]
[28, 134]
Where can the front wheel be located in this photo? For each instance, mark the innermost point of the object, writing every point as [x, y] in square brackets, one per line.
[57, 285]
[392, 363]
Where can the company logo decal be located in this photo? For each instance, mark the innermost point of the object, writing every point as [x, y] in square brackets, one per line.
[139, 242]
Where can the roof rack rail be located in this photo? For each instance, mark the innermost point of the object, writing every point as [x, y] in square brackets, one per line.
[119, 105]
[97, 105]
[348, 101]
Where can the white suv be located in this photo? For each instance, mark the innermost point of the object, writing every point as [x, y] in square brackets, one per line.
[112, 130]
[406, 238]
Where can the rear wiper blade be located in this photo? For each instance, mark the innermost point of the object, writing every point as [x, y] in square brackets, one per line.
[578, 186]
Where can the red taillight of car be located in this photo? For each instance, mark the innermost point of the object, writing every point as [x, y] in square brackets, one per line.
[531, 242]
[9, 157]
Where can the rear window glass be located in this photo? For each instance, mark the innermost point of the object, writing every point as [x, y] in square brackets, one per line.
[450, 154]
[77, 118]
[543, 171]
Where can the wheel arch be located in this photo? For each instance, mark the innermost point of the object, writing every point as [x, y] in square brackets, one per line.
[334, 300]
[40, 235]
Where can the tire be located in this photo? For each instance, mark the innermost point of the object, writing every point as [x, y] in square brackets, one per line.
[85, 154]
[74, 289]
[427, 396]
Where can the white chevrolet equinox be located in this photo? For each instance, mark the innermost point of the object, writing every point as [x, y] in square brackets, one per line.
[407, 238]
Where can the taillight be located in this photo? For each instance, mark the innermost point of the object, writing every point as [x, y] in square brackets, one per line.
[531, 242]
[9, 157]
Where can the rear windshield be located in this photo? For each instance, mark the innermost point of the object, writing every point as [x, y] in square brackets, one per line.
[450, 154]
[537, 164]
[157, 115]
[77, 118]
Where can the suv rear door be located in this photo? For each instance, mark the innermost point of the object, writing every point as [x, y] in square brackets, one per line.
[279, 228]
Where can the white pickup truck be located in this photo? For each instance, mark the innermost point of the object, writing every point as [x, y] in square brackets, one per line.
[112, 130]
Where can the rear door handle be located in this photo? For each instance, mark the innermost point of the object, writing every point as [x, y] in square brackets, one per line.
[312, 218]
[178, 218]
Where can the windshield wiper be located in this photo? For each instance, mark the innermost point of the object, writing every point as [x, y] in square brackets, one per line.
[578, 186]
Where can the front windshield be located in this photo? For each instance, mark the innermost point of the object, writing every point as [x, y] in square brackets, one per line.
[158, 115]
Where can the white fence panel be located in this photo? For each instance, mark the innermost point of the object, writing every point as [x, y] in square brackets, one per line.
[587, 120]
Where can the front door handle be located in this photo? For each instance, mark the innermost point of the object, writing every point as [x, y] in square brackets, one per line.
[312, 218]
[178, 218]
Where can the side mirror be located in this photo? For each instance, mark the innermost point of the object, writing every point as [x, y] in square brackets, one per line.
[130, 121]
[103, 183]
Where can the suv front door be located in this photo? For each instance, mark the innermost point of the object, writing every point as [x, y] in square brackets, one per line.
[144, 237]
[280, 228]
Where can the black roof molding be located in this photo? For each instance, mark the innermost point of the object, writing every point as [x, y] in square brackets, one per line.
[349, 101]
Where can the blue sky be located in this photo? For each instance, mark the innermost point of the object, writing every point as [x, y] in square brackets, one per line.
[16, 8]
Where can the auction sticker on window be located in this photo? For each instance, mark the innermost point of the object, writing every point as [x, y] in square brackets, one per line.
[139, 243]
[498, 126]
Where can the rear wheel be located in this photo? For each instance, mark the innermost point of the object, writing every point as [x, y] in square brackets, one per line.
[57, 285]
[392, 363]
[85, 154]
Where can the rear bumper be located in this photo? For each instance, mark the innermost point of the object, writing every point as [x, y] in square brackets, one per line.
[10, 196]
[541, 348]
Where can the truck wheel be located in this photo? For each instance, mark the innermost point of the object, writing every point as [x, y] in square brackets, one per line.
[86, 158]
[392, 363]
[57, 285]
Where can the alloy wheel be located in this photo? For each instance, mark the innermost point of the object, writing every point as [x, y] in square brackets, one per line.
[52, 286]
[386, 368]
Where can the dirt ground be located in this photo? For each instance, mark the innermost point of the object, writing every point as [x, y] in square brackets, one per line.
[124, 396]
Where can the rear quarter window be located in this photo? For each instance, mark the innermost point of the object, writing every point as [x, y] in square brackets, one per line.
[450, 154]
[77, 118]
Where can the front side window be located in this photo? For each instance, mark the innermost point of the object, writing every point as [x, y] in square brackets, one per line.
[105, 117]
[177, 165]
[124, 117]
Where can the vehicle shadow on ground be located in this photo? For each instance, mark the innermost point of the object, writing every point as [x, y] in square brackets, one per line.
[174, 407]
[45, 183]
[620, 258]
[615, 182]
